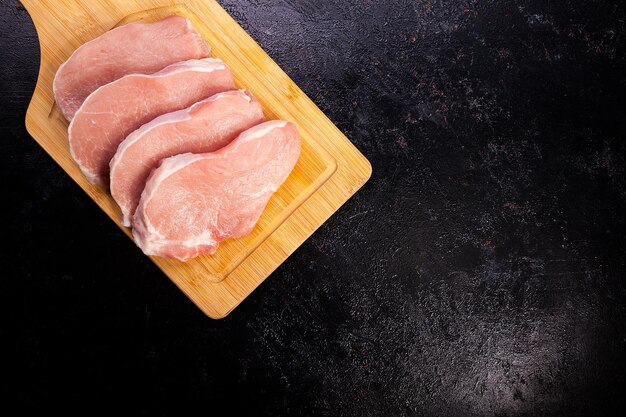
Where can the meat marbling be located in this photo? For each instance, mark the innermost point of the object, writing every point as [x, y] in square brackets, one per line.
[204, 127]
[135, 48]
[117, 109]
[194, 201]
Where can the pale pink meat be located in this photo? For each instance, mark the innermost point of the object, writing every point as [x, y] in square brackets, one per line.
[194, 201]
[135, 48]
[204, 127]
[117, 109]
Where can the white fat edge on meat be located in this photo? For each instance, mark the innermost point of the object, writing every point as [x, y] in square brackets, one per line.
[207, 238]
[240, 93]
[152, 246]
[54, 80]
[263, 129]
[194, 65]
[271, 189]
[92, 178]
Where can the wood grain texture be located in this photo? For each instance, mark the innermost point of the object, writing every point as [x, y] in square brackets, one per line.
[329, 171]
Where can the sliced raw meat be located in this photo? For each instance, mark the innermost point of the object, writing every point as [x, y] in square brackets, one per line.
[135, 48]
[204, 127]
[193, 201]
[117, 109]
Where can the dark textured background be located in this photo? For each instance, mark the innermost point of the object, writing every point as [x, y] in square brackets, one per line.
[481, 271]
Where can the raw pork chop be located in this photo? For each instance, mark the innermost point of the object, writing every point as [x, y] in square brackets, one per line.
[116, 109]
[193, 201]
[135, 48]
[204, 127]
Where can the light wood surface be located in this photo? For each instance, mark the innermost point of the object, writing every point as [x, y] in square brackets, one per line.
[329, 171]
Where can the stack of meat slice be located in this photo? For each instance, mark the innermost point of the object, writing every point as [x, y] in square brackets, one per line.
[189, 159]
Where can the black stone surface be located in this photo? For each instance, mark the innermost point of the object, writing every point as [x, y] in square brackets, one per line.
[481, 271]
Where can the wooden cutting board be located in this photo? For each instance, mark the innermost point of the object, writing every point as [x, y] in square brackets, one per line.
[329, 171]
